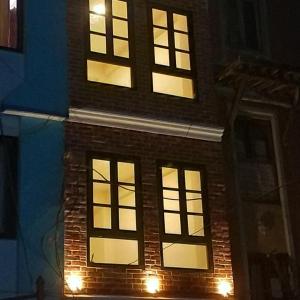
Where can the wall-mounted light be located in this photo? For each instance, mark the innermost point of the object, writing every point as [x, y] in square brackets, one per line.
[152, 284]
[224, 288]
[74, 282]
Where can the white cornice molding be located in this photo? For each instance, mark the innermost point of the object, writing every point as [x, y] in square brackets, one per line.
[108, 119]
[34, 115]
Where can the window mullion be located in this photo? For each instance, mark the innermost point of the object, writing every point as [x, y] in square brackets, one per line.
[171, 39]
[114, 196]
[182, 203]
[109, 27]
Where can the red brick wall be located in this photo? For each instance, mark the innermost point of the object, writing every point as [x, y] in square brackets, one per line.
[148, 148]
[140, 100]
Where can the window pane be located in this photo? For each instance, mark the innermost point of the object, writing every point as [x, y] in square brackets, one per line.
[114, 251]
[121, 48]
[196, 226]
[185, 256]
[192, 180]
[127, 219]
[125, 172]
[119, 9]
[161, 56]
[194, 203]
[180, 22]
[101, 193]
[97, 6]
[172, 223]
[98, 43]
[102, 217]
[181, 41]
[171, 200]
[120, 28]
[126, 197]
[97, 23]
[159, 17]
[169, 177]
[101, 169]
[173, 85]
[160, 36]
[183, 60]
[109, 73]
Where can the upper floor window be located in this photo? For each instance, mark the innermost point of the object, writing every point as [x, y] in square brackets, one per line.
[9, 24]
[183, 221]
[110, 53]
[171, 53]
[115, 218]
[8, 187]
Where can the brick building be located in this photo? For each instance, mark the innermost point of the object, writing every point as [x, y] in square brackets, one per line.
[144, 166]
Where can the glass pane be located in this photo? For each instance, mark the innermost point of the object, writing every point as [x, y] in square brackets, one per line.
[160, 36]
[181, 41]
[101, 169]
[109, 73]
[97, 23]
[172, 223]
[101, 193]
[125, 172]
[97, 6]
[120, 28]
[192, 180]
[121, 48]
[159, 17]
[119, 9]
[196, 226]
[114, 251]
[102, 217]
[183, 60]
[173, 85]
[185, 256]
[180, 22]
[161, 56]
[127, 219]
[171, 200]
[169, 177]
[194, 203]
[126, 197]
[98, 43]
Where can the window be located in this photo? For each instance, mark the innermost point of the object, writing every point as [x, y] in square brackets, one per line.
[110, 54]
[171, 53]
[8, 187]
[183, 223]
[244, 24]
[9, 24]
[115, 220]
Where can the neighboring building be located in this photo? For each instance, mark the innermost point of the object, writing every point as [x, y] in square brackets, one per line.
[33, 100]
[252, 40]
[144, 168]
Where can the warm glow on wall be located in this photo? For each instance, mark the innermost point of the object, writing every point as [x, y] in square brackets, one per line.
[74, 282]
[99, 9]
[224, 288]
[152, 284]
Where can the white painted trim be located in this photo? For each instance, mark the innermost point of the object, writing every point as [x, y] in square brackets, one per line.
[271, 116]
[107, 119]
[34, 115]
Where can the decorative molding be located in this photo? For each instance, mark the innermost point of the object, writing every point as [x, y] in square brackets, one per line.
[108, 119]
[34, 115]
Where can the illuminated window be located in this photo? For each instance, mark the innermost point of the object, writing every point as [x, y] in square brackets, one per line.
[110, 55]
[172, 62]
[184, 233]
[114, 213]
[9, 24]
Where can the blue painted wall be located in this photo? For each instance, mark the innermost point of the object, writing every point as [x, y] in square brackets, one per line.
[35, 80]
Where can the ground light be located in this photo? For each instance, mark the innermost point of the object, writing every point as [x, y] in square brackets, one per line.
[152, 284]
[224, 288]
[74, 282]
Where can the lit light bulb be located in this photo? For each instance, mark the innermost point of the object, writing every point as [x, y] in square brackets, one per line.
[12, 4]
[74, 282]
[152, 284]
[99, 9]
[224, 288]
